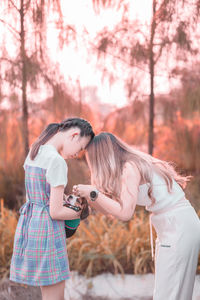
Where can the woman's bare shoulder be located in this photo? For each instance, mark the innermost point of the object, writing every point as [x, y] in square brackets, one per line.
[130, 166]
[131, 169]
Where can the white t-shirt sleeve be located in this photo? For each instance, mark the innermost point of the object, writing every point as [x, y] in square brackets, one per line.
[26, 160]
[56, 173]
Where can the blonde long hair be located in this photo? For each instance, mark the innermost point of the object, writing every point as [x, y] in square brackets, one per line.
[106, 156]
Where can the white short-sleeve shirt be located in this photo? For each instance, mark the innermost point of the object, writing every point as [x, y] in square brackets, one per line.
[49, 159]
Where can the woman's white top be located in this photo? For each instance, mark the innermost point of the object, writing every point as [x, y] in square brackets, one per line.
[163, 198]
[49, 159]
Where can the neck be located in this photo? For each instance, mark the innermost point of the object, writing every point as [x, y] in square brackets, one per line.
[55, 141]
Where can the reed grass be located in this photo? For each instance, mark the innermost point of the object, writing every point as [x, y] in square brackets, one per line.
[100, 244]
[8, 223]
[105, 245]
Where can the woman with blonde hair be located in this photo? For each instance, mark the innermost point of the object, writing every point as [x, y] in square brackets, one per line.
[123, 177]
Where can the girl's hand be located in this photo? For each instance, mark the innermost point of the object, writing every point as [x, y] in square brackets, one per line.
[82, 190]
[65, 198]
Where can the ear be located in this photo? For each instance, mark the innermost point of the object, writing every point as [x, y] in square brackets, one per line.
[74, 134]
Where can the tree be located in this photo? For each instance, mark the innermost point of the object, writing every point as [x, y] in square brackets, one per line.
[167, 33]
[28, 26]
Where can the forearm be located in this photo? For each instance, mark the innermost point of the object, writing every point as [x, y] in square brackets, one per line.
[97, 207]
[125, 207]
[66, 213]
[109, 206]
[56, 209]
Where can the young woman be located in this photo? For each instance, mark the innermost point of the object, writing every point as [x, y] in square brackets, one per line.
[39, 253]
[121, 178]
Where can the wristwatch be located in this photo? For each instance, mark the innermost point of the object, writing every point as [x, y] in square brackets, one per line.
[94, 194]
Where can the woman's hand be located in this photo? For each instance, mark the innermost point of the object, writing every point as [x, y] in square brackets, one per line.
[82, 190]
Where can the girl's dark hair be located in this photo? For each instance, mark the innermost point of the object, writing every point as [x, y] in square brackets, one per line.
[53, 128]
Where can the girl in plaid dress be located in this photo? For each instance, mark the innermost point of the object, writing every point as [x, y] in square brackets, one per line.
[39, 253]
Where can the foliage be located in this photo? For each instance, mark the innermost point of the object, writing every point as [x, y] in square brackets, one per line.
[25, 70]
[8, 222]
[189, 105]
[99, 245]
[108, 4]
[129, 123]
[60, 106]
[192, 192]
[104, 245]
[177, 125]
[149, 46]
[180, 142]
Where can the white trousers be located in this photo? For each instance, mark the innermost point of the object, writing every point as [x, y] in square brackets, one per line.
[176, 253]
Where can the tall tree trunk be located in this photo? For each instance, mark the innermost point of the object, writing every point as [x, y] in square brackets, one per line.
[151, 69]
[25, 132]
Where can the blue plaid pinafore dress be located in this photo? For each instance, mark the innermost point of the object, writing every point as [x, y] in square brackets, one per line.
[39, 253]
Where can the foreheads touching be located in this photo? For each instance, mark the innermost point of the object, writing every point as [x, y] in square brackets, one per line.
[104, 150]
[105, 156]
[76, 135]
[69, 137]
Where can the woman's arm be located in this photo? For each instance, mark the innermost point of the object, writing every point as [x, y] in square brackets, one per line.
[124, 209]
[98, 207]
[57, 210]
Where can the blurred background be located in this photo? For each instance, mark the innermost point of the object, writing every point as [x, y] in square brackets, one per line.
[130, 67]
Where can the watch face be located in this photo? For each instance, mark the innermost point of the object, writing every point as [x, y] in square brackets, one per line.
[93, 194]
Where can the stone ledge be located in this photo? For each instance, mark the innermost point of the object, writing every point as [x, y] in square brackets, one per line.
[102, 287]
[115, 287]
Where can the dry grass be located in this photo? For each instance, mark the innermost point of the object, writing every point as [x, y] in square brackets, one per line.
[104, 245]
[99, 245]
[8, 223]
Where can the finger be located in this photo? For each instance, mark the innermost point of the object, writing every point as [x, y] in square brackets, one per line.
[78, 191]
[75, 192]
[75, 187]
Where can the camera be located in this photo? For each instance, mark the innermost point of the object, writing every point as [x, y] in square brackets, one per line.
[70, 202]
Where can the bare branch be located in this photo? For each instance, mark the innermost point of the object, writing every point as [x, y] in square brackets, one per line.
[13, 4]
[12, 83]
[120, 59]
[14, 63]
[12, 28]
[107, 3]
[27, 6]
[162, 46]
